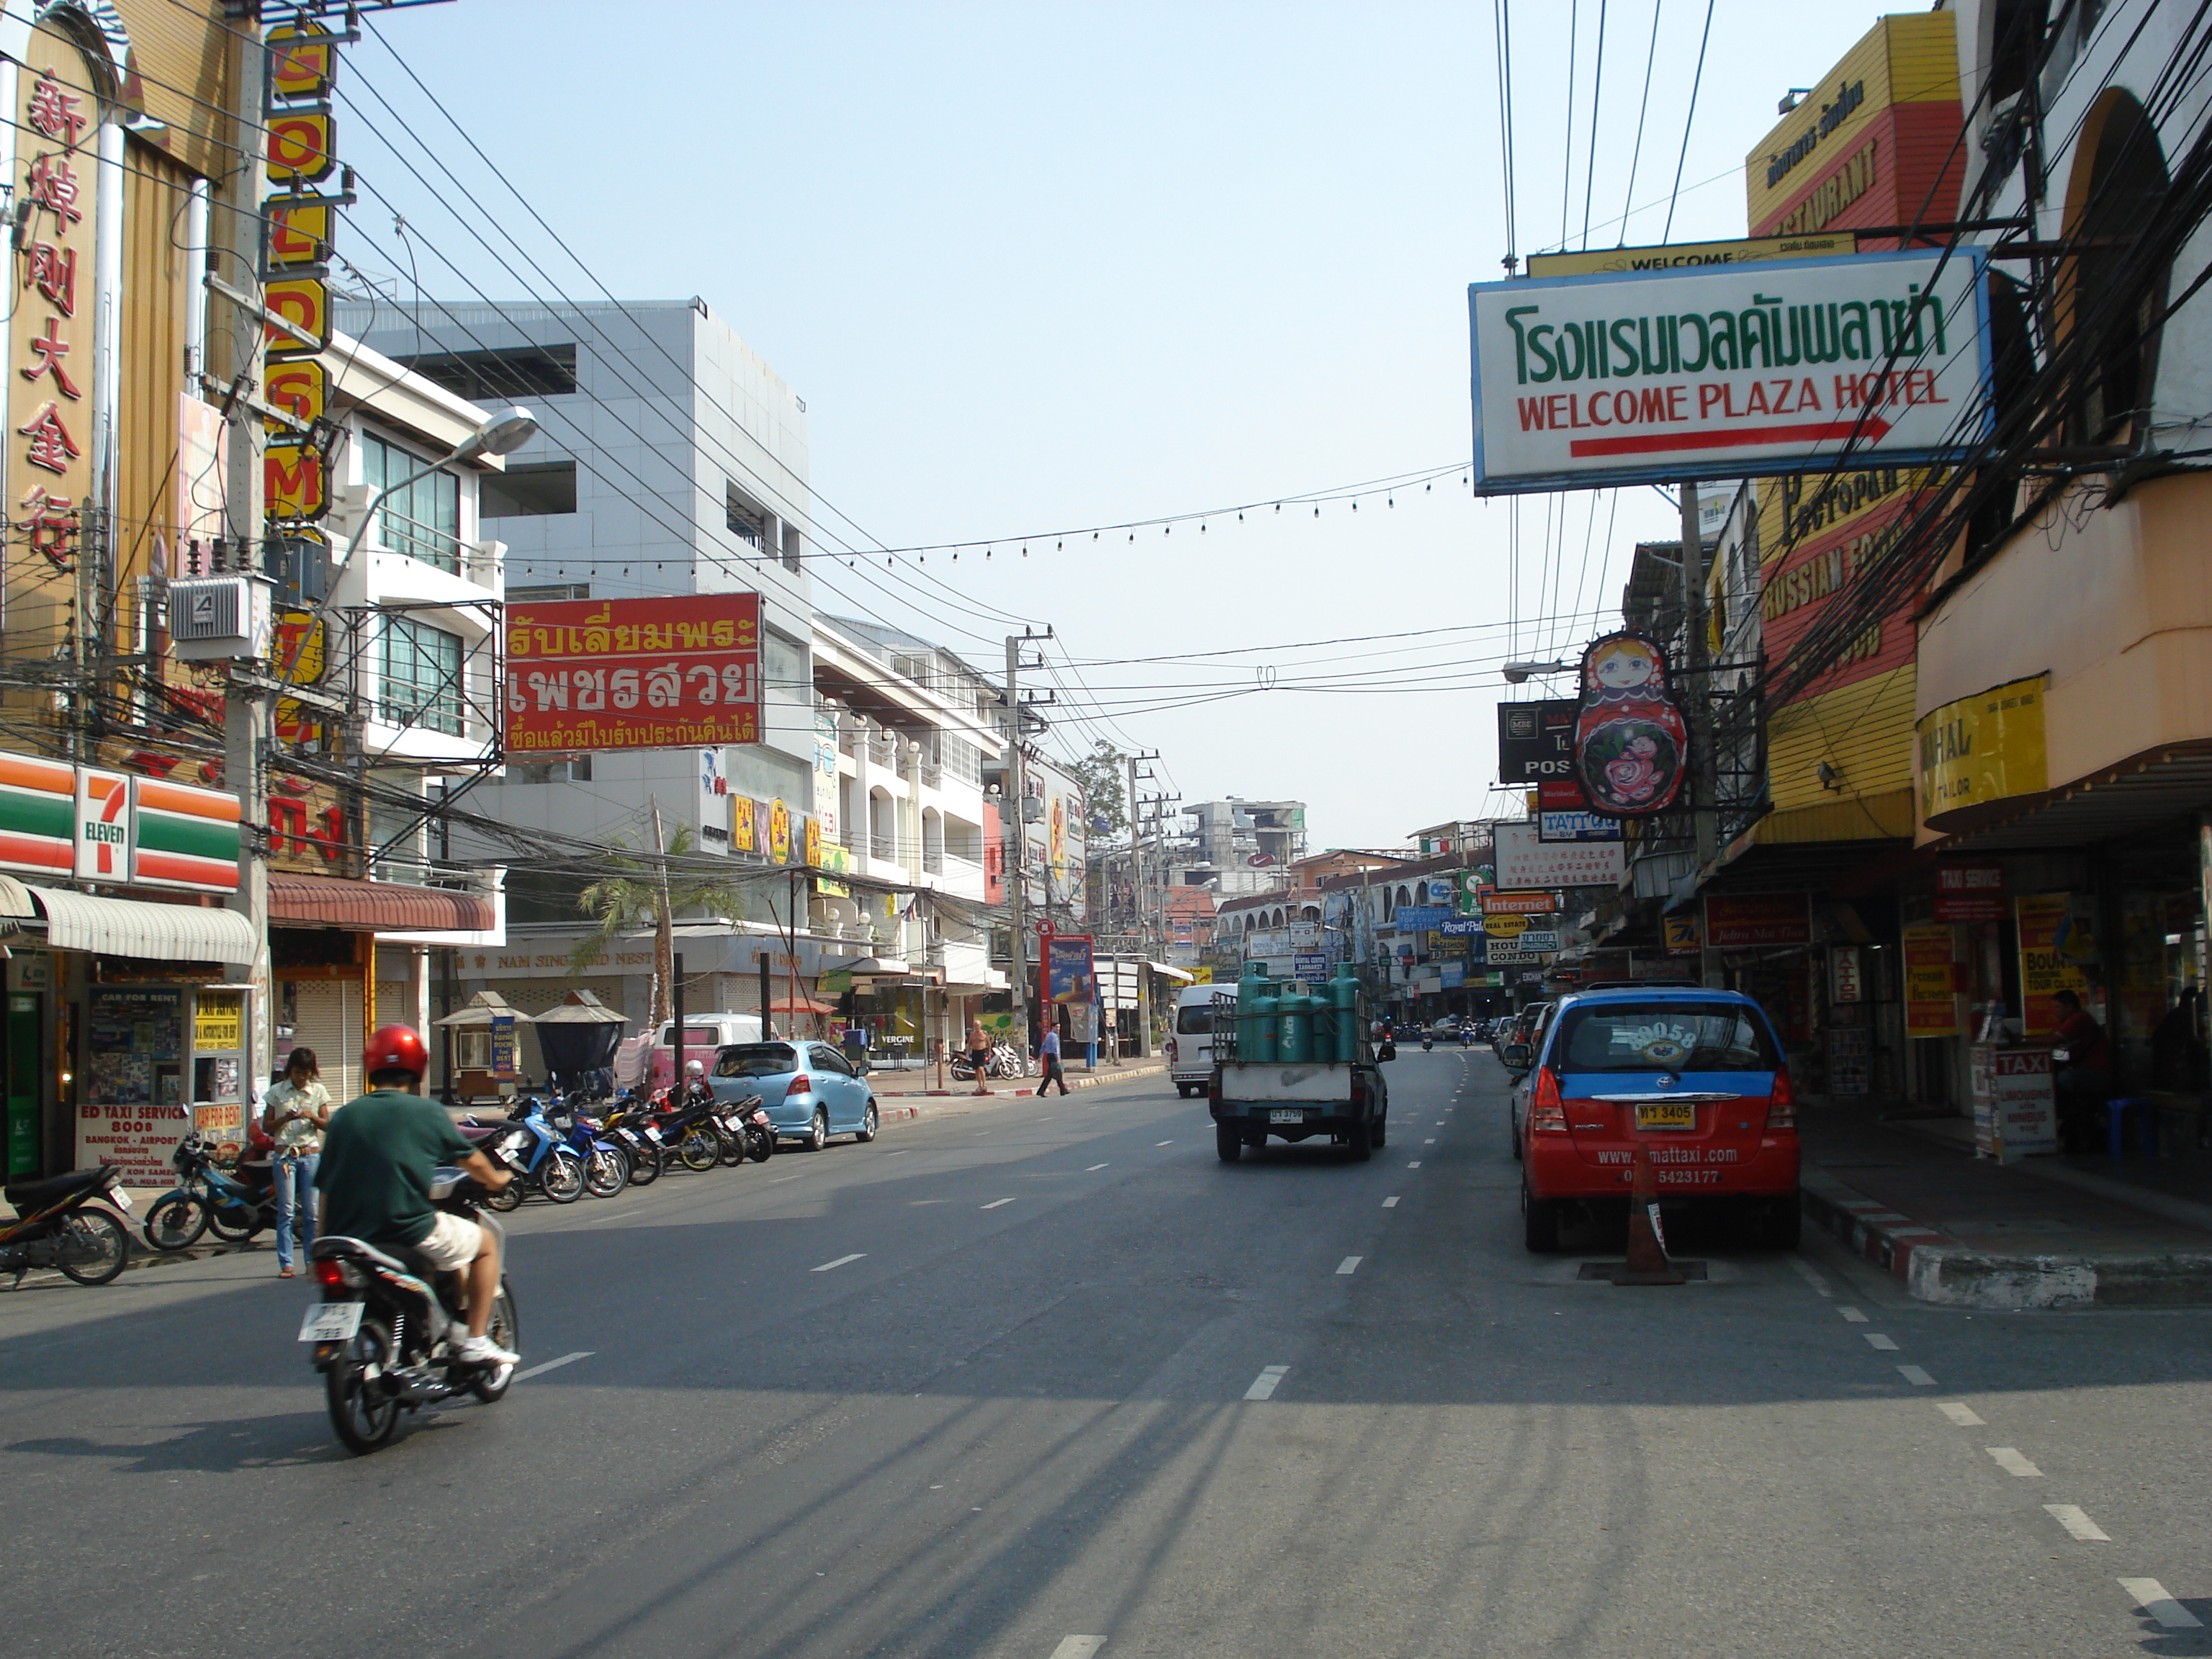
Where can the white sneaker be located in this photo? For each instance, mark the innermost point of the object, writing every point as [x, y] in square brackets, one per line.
[483, 1351]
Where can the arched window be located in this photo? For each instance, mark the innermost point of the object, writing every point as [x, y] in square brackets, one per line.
[2109, 304]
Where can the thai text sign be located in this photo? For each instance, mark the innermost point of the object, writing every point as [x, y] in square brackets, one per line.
[1525, 859]
[1970, 892]
[1931, 1001]
[605, 674]
[1419, 918]
[1977, 750]
[1727, 371]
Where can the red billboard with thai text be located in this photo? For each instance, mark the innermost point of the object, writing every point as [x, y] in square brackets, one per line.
[664, 673]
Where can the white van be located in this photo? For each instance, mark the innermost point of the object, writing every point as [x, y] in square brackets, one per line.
[703, 1036]
[1190, 1047]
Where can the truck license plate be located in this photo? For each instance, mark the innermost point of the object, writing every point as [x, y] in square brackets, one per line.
[1290, 1115]
[331, 1322]
[1666, 1115]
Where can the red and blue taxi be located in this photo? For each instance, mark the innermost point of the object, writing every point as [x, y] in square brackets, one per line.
[1695, 1076]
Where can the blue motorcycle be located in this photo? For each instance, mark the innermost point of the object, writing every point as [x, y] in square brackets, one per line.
[606, 1159]
[549, 1163]
[234, 1208]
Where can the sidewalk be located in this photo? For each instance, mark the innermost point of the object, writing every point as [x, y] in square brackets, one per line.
[2046, 1232]
[1025, 1086]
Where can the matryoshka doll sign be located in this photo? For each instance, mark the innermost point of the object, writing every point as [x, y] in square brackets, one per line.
[1630, 740]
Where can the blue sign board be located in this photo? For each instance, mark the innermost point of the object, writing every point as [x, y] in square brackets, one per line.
[503, 1057]
[1455, 975]
[1312, 966]
[1462, 927]
[1577, 826]
[1422, 918]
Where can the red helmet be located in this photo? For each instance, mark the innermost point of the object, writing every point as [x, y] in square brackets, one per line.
[395, 1048]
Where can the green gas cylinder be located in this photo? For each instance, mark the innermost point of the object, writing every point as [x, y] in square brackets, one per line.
[1250, 986]
[1344, 992]
[1294, 1020]
[1266, 1011]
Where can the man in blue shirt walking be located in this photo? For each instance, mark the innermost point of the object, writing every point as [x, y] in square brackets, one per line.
[1051, 1049]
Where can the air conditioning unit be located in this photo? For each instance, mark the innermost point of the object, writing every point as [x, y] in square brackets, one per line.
[219, 618]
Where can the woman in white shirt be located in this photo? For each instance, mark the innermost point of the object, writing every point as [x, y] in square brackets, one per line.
[295, 1112]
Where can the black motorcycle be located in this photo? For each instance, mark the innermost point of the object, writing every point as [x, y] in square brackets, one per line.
[746, 1130]
[388, 1332]
[59, 1224]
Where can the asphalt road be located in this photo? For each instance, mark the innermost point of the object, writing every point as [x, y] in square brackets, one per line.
[1044, 1378]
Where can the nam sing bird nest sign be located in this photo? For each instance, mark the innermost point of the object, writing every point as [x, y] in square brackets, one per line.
[1729, 371]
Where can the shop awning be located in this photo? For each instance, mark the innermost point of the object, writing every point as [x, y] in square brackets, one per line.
[1179, 975]
[153, 933]
[375, 906]
[803, 1005]
[15, 898]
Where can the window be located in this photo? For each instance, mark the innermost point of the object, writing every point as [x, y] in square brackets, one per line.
[1193, 1019]
[422, 519]
[791, 547]
[422, 676]
[495, 377]
[553, 591]
[747, 519]
[829, 1060]
[1662, 1036]
[576, 769]
[527, 490]
[757, 1060]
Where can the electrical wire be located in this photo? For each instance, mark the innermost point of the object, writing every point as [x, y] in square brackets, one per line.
[1689, 120]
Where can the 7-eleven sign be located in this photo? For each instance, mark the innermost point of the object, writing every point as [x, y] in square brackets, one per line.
[103, 826]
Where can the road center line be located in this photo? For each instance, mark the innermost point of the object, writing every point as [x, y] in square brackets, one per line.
[554, 1365]
[1876, 1340]
[1431, 1141]
[996, 1202]
[1915, 1376]
[1078, 1647]
[2012, 1462]
[1414, 1164]
[2150, 1596]
[1164, 1143]
[1350, 1264]
[2078, 1525]
[839, 1262]
[1852, 1314]
[1093, 1169]
[1965, 1416]
[1820, 1285]
[1389, 1203]
[902, 1152]
[1263, 1385]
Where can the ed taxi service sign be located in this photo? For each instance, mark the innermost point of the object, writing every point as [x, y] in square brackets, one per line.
[1728, 372]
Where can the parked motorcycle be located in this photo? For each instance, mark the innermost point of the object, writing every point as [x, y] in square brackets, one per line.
[688, 1127]
[206, 1198]
[747, 1132]
[387, 1331]
[545, 1161]
[59, 1224]
[606, 1165]
[630, 1123]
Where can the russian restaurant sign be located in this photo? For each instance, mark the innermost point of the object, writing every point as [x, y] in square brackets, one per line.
[1728, 371]
[587, 675]
[1630, 741]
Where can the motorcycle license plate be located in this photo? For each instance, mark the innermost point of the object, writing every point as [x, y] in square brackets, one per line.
[1291, 1115]
[331, 1322]
[122, 1199]
[653, 1135]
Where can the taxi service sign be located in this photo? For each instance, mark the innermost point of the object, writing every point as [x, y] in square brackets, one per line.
[1728, 371]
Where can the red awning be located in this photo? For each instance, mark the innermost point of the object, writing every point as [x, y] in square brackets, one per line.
[804, 1005]
[374, 907]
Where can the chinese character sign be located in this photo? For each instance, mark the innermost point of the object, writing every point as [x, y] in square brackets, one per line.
[50, 337]
[586, 675]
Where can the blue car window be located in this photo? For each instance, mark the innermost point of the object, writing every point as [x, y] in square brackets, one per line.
[756, 1060]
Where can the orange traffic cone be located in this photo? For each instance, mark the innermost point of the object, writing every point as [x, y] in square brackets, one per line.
[1647, 1263]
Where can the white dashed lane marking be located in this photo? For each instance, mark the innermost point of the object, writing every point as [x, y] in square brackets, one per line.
[1915, 1376]
[1389, 1203]
[554, 1365]
[1078, 1647]
[1164, 1143]
[1964, 1416]
[996, 1202]
[1414, 1164]
[1093, 1169]
[1350, 1264]
[2012, 1462]
[1853, 1314]
[1264, 1384]
[2078, 1525]
[1820, 1285]
[839, 1262]
[1875, 1339]
[2150, 1596]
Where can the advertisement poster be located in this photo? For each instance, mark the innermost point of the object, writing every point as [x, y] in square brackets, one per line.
[2057, 947]
[1526, 860]
[219, 1020]
[1736, 921]
[1067, 960]
[2014, 1103]
[594, 675]
[502, 1048]
[1931, 1004]
[1536, 740]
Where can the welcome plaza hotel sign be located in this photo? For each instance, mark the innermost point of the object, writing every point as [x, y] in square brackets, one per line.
[1728, 371]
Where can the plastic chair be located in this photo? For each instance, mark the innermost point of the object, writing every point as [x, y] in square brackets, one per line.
[2115, 1124]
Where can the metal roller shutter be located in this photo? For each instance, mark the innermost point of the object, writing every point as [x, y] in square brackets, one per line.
[328, 1011]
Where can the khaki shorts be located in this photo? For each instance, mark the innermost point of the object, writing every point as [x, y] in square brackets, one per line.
[452, 1243]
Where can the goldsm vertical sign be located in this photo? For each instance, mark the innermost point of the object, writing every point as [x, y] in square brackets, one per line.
[1733, 371]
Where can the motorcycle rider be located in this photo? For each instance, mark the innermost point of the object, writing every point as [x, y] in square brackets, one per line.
[380, 1155]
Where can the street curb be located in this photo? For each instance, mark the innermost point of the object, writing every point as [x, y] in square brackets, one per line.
[1079, 1080]
[953, 1102]
[1936, 1268]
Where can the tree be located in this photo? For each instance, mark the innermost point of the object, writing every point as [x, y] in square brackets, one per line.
[1105, 775]
[640, 891]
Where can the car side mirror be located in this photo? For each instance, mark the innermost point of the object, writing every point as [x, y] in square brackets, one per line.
[1515, 1056]
[861, 1067]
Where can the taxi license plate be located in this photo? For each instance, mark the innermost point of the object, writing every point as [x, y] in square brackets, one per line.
[1291, 1115]
[331, 1322]
[1666, 1115]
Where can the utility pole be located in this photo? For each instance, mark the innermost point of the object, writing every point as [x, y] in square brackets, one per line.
[1703, 770]
[247, 707]
[664, 927]
[1141, 909]
[1016, 860]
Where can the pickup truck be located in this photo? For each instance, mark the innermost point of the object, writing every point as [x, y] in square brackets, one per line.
[1294, 1100]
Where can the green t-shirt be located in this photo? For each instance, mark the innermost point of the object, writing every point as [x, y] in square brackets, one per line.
[378, 1156]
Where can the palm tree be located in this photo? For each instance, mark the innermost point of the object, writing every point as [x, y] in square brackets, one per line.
[641, 890]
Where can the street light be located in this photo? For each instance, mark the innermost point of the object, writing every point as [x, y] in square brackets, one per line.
[1516, 673]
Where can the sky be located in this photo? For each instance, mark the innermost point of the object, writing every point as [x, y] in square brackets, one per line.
[1040, 270]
